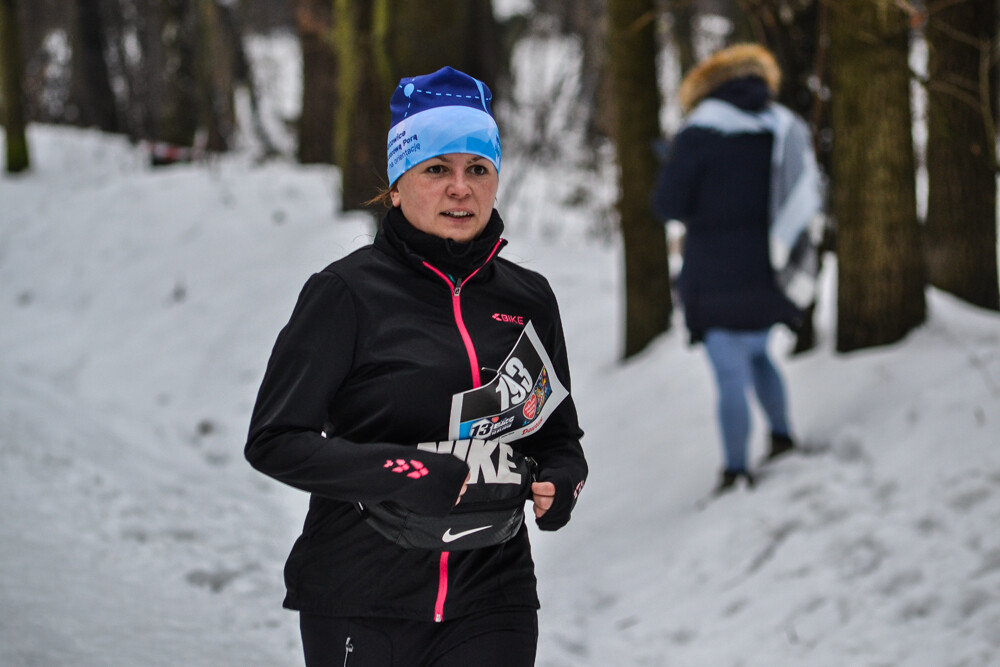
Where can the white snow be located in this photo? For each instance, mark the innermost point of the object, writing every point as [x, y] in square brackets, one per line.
[137, 311]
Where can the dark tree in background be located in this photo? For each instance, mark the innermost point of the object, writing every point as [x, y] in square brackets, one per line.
[11, 79]
[91, 94]
[464, 34]
[880, 295]
[319, 83]
[648, 302]
[683, 14]
[215, 72]
[183, 77]
[168, 47]
[791, 31]
[361, 108]
[961, 226]
[167, 70]
[375, 44]
[588, 21]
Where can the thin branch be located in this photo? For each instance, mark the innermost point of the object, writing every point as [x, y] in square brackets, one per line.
[641, 22]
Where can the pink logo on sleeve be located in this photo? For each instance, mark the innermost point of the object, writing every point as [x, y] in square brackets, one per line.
[414, 469]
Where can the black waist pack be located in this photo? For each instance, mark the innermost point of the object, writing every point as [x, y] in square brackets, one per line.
[491, 511]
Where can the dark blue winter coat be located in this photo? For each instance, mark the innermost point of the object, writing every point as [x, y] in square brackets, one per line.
[717, 184]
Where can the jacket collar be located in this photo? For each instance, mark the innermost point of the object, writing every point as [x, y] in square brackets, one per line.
[426, 252]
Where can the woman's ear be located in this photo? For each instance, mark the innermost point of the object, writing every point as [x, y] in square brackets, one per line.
[394, 195]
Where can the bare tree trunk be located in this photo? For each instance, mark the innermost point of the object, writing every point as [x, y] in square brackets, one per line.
[683, 13]
[319, 81]
[174, 101]
[13, 96]
[214, 66]
[379, 41]
[881, 270]
[464, 33]
[137, 23]
[261, 16]
[91, 81]
[961, 224]
[648, 302]
[350, 21]
[241, 74]
[120, 26]
[588, 19]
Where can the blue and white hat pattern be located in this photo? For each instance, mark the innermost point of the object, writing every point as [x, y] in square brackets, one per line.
[440, 113]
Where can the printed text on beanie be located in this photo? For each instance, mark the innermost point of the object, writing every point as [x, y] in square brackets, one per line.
[440, 113]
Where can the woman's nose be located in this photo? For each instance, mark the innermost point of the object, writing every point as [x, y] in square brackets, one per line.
[459, 185]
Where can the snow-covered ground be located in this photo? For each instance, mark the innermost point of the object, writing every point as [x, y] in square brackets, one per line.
[137, 311]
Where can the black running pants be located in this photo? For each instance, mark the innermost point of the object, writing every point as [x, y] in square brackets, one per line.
[497, 638]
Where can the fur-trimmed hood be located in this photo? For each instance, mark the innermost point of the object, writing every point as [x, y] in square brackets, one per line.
[733, 62]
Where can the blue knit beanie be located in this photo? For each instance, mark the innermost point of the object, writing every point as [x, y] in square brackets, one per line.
[440, 113]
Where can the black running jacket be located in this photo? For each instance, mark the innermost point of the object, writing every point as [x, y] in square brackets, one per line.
[365, 369]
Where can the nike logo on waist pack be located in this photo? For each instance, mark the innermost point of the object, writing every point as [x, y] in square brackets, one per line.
[451, 537]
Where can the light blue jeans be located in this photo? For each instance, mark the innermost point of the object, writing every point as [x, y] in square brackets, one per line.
[740, 361]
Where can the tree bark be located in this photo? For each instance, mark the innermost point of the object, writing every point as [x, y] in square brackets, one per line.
[91, 88]
[11, 75]
[648, 303]
[683, 13]
[319, 81]
[588, 20]
[464, 34]
[350, 34]
[215, 69]
[961, 226]
[378, 42]
[174, 103]
[881, 270]
[137, 24]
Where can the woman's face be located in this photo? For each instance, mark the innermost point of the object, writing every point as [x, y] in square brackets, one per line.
[450, 196]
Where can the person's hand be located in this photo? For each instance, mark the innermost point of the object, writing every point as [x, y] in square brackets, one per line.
[543, 495]
[465, 487]
[555, 496]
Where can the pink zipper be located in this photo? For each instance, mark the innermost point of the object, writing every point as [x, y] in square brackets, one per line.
[442, 587]
[456, 305]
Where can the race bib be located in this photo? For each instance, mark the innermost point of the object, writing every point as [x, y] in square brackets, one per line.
[515, 404]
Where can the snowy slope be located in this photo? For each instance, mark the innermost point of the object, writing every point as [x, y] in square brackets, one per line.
[137, 310]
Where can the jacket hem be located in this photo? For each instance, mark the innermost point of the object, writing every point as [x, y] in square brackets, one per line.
[339, 609]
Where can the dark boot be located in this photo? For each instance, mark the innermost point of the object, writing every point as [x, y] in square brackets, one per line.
[727, 482]
[780, 445]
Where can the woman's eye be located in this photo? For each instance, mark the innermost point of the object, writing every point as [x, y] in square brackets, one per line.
[479, 170]
[435, 169]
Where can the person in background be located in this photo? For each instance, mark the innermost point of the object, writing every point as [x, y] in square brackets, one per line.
[742, 177]
[420, 394]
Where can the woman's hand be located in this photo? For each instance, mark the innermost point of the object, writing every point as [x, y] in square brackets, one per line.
[543, 495]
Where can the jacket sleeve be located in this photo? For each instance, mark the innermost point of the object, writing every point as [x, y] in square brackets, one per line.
[556, 446]
[673, 194]
[310, 360]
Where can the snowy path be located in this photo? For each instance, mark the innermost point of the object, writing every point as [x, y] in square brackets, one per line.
[115, 555]
[137, 309]
[883, 551]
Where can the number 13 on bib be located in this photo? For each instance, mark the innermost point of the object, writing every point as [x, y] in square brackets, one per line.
[516, 402]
